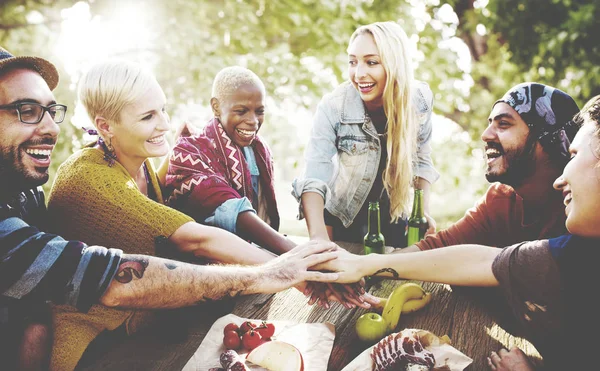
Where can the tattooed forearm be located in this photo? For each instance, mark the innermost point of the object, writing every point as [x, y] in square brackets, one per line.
[390, 271]
[151, 282]
[230, 295]
[130, 267]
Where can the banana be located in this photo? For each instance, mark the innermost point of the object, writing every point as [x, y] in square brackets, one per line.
[416, 304]
[395, 302]
[410, 306]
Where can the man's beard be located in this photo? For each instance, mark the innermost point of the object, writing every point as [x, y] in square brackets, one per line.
[14, 176]
[519, 163]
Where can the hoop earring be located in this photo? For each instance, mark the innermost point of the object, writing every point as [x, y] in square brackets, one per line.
[109, 151]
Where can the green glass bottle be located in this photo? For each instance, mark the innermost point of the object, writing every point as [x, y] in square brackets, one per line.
[417, 224]
[374, 242]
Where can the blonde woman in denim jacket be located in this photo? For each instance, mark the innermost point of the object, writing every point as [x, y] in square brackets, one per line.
[370, 141]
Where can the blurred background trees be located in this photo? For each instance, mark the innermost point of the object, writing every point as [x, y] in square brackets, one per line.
[470, 52]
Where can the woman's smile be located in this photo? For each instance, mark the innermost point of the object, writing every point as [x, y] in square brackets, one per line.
[160, 139]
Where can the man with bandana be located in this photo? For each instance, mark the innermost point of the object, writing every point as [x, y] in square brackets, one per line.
[526, 148]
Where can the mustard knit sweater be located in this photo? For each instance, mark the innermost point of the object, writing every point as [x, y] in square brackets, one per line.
[101, 205]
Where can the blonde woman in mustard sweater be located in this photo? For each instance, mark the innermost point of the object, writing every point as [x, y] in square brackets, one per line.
[109, 194]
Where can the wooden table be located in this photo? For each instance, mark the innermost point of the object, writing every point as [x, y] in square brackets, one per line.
[476, 320]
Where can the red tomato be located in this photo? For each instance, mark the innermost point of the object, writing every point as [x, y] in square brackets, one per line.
[251, 339]
[231, 340]
[266, 330]
[247, 326]
[231, 327]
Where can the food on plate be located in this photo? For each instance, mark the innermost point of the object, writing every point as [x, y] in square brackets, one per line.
[277, 356]
[370, 327]
[405, 351]
[251, 339]
[231, 340]
[400, 295]
[232, 361]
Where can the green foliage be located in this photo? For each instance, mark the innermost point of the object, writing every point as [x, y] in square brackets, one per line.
[555, 42]
[460, 162]
[20, 37]
[298, 48]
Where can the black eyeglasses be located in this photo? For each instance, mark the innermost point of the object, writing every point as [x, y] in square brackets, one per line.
[32, 113]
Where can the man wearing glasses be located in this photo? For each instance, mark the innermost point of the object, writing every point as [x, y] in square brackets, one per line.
[32, 113]
[25, 147]
[36, 267]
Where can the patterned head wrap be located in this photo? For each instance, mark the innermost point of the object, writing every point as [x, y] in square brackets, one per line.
[549, 114]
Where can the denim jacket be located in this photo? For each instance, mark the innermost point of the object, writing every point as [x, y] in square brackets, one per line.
[343, 152]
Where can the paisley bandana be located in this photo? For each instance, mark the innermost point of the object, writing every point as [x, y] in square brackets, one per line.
[549, 114]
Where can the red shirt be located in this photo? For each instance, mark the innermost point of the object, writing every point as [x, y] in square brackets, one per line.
[505, 216]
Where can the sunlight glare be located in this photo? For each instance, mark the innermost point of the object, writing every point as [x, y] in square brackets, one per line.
[34, 17]
[461, 49]
[447, 15]
[481, 30]
[419, 14]
[498, 333]
[85, 40]
[480, 4]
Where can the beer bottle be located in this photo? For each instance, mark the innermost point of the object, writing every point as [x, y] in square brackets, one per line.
[374, 242]
[417, 224]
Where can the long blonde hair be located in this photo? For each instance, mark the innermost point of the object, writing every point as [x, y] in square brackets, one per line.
[402, 122]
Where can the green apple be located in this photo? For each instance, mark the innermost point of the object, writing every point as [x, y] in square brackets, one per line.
[370, 327]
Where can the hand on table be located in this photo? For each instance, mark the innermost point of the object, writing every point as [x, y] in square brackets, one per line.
[353, 294]
[347, 265]
[349, 295]
[294, 267]
[515, 360]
